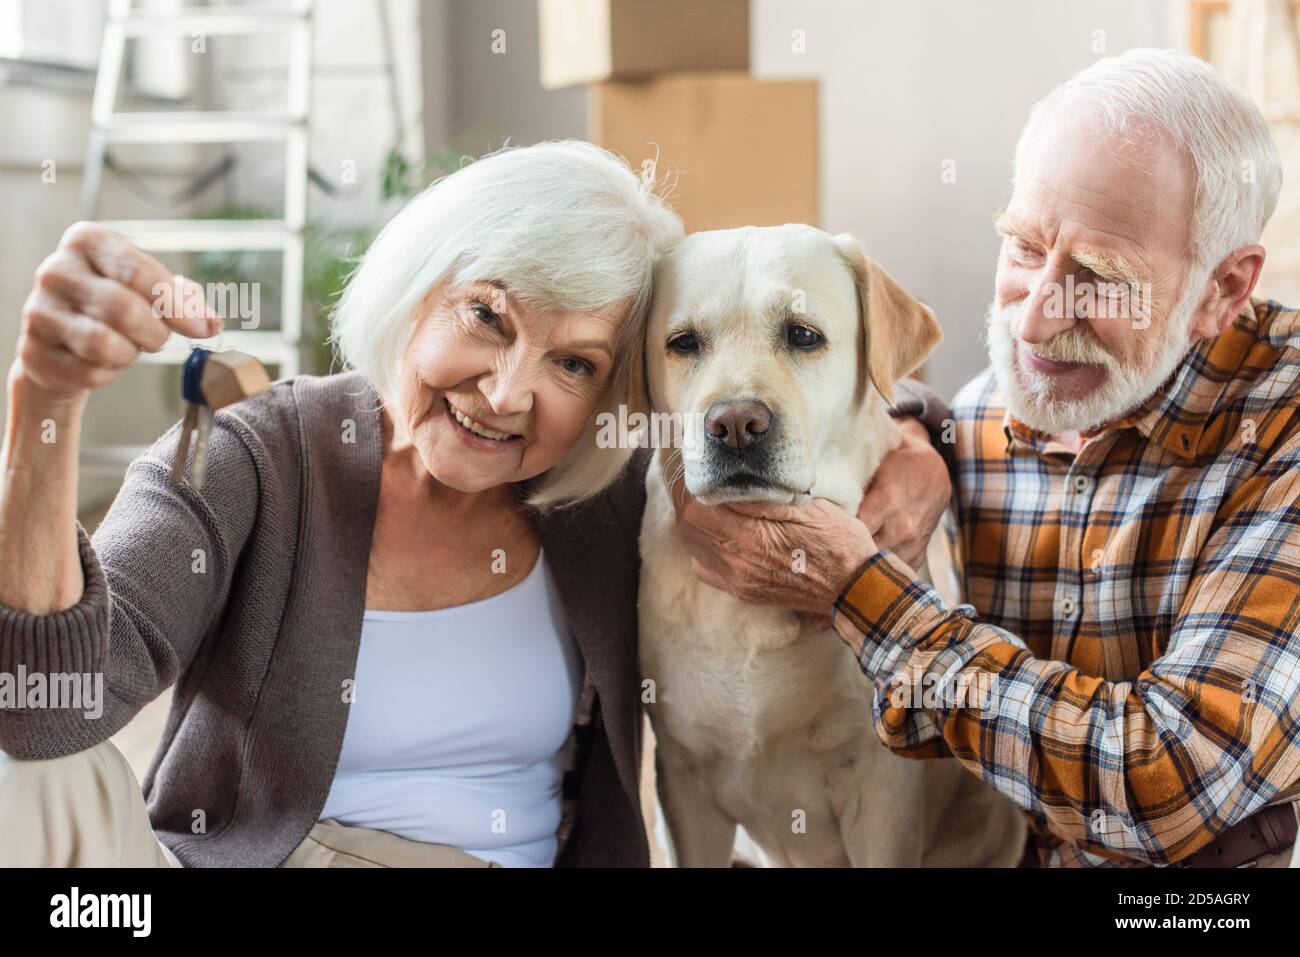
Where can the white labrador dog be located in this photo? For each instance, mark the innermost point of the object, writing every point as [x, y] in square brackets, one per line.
[775, 336]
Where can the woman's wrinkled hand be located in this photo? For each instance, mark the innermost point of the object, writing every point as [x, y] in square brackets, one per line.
[96, 303]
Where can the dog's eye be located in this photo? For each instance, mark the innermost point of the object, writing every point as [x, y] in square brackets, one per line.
[686, 344]
[801, 337]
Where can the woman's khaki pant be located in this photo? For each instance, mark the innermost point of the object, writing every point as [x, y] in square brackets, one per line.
[87, 810]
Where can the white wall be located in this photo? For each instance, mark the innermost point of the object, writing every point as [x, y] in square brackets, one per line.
[352, 127]
[493, 96]
[906, 86]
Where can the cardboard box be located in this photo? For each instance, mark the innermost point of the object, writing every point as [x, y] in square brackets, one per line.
[737, 151]
[588, 41]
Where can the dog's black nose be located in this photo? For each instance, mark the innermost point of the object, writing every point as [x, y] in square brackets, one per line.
[738, 424]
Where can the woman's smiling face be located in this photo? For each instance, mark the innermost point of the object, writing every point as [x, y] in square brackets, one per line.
[497, 390]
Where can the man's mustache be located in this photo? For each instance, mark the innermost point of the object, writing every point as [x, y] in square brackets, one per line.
[1076, 345]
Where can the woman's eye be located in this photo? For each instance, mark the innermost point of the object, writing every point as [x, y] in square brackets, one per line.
[801, 337]
[685, 344]
[575, 366]
[483, 313]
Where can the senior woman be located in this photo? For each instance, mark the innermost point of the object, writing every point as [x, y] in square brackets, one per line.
[400, 614]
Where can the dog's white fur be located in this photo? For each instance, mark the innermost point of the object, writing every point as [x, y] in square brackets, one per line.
[760, 719]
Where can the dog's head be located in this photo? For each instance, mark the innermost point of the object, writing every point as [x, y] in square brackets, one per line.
[771, 338]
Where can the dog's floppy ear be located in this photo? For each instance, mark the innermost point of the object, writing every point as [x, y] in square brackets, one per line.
[900, 331]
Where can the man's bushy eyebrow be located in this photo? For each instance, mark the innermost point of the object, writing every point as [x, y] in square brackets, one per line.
[1007, 226]
[1108, 265]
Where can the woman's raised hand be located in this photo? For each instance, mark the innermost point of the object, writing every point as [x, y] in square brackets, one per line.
[98, 302]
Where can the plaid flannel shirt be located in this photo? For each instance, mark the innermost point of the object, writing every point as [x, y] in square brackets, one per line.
[1129, 673]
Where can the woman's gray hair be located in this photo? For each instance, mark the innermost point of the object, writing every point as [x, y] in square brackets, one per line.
[1221, 130]
[563, 224]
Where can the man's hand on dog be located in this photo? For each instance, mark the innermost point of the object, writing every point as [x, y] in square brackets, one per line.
[907, 496]
[803, 557]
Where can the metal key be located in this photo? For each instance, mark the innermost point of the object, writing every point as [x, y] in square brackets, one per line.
[211, 381]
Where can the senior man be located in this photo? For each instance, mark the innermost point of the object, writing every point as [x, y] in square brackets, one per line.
[1128, 491]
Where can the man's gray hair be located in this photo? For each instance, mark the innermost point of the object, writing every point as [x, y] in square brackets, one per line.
[1238, 170]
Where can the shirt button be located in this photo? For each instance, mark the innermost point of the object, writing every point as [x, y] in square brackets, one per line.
[1067, 607]
[1081, 483]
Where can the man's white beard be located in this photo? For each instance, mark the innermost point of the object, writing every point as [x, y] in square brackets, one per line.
[1028, 393]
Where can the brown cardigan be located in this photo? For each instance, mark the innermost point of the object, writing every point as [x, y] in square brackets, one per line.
[262, 641]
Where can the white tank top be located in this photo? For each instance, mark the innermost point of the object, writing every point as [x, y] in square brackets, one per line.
[456, 731]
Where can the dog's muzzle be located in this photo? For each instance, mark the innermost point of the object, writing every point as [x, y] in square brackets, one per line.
[739, 439]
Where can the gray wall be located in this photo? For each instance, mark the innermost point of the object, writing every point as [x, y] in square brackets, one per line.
[906, 86]
[486, 96]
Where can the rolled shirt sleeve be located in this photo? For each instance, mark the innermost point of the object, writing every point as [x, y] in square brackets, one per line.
[73, 640]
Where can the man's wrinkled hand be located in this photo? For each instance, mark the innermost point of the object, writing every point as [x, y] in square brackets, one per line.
[907, 496]
[764, 553]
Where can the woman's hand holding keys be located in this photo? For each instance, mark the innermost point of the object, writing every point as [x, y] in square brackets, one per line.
[98, 302]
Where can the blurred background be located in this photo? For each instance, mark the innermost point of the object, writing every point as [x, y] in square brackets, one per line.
[893, 121]
[260, 146]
